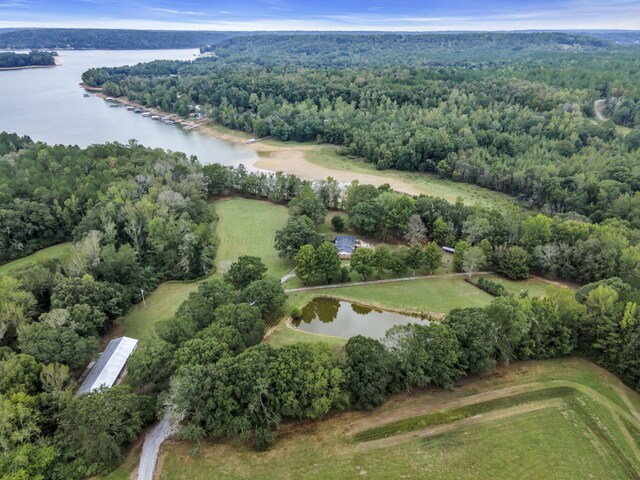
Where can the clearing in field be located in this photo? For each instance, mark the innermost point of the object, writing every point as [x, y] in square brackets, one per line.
[560, 419]
[248, 227]
[55, 251]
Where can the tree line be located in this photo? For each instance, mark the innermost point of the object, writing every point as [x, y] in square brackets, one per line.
[524, 128]
[33, 58]
[512, 241]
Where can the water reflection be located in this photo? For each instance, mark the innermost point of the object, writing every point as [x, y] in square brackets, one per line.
[328, 316]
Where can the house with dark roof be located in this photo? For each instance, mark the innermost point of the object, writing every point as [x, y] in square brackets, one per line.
[346, 245]
[109, 366]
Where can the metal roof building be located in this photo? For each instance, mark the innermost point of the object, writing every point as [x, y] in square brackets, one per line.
[346, 245]
[108, 367]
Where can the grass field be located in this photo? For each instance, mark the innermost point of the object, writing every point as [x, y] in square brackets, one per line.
[434, 295]
[543, 435]
[161, 304]
[326, 155]
[55, 251]
[247, 227]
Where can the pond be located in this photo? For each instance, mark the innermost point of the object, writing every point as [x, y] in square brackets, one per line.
[340, 318]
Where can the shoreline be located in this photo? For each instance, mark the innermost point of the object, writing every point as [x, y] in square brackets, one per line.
[26, 67]
[275, 156]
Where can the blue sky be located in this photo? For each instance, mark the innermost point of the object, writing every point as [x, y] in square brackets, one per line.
[426, 15]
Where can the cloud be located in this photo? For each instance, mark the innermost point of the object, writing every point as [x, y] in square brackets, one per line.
[177, 12]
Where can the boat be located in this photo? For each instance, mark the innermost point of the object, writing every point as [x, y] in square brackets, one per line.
[109, 99]
[86, 95]
[164, 119]
[169, 122]
[146, 114]
[137, 110]
[130, 108]
[114, 105]
[156, 117]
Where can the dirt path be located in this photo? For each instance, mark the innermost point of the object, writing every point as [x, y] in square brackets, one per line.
[377, 282]
[417, 410]
[467, 422]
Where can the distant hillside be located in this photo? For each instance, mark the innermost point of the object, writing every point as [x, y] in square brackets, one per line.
[623, 37]
[60, 38]
[341, 49]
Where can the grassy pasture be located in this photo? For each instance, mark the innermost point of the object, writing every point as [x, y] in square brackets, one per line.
[247, 227]
[55, 251]
[327, 156]
[575, 436]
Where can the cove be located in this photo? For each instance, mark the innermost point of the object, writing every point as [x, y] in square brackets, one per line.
[340, 318]
[49, 105]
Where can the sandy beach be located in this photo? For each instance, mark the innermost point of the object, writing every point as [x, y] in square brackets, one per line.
[274, 157]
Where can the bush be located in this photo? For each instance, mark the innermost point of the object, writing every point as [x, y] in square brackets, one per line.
[338, 223]
[491, 287]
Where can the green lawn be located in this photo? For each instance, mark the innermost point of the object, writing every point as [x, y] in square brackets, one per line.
[247, 227]
[327, 155]
[161, 304]
[438, 295]
[55, 251]
[573, 438]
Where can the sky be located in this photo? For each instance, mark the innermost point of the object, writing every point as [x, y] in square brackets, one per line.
[384, 15]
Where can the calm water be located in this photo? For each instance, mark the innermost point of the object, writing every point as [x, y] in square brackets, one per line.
[345, 319]
[48, 105]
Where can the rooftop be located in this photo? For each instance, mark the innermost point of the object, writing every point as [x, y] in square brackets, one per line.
[107, 368]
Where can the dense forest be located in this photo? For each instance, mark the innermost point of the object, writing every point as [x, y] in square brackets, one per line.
[523, 125]
[106, 39]
[138, 216]
[33, 58]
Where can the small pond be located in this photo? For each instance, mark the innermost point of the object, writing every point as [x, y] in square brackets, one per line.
[328, 316]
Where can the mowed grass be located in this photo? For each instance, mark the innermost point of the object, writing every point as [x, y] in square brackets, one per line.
[436, 296]
[55, 251]
[327, 156]
[161, 305]
[248, 227]
[555, 441]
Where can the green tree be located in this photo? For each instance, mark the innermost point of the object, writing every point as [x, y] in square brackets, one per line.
[432, 257]
[472, 261]
[267, 294]
[369, 370]
[415, 257]
[150, 366]
[475, 335]
[514, 263]
[297, 232]
[245, 270]
[95, 427]
[363, 261]
[19, 372]
[327, 263]
[48, 344]
[244, 318]
[536, 231]
[441, 233]
[16, 306]
[306, 263]
[427, 354]
[200, 351]
[307, 203]
[458, 257]
[337, 222]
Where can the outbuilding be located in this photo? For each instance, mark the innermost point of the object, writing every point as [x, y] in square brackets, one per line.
[109, 366]
[346, 245]
[449, 249]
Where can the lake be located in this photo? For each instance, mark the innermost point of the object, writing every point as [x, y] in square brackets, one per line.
[339, 318]
[48, 105]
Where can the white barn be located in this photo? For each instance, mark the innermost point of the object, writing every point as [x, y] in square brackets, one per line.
[107, 369]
